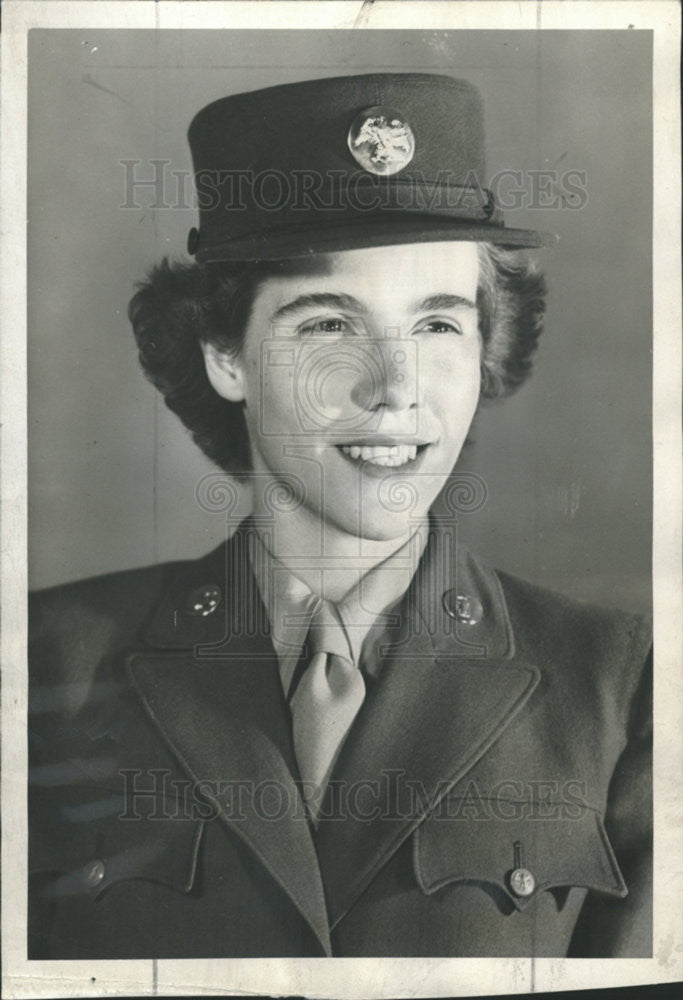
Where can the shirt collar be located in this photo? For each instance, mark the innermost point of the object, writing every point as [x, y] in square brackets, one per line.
[223, 585]
[290, 603]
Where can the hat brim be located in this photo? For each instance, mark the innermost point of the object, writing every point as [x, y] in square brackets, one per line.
[364, 233]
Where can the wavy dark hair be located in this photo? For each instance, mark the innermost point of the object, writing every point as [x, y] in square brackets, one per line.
[181, 306]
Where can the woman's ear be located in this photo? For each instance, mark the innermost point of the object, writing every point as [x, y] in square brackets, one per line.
[224, 372]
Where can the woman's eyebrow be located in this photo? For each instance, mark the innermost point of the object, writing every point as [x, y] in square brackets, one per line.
[348, 303]
[443, 301]
[327, 300]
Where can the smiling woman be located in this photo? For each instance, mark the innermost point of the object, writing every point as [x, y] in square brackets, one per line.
[378, 372]
[339, 734]
[184, 306]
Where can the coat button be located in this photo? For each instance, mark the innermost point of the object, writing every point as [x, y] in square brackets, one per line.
[93, 873]
[522, 882]
[204, 600]
[463, 608]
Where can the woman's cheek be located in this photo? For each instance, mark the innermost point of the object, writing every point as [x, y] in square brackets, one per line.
[448, 367]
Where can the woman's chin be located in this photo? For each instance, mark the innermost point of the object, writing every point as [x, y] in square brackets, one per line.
[378, 525]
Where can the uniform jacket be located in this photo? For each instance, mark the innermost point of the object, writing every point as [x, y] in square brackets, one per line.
[165, 817]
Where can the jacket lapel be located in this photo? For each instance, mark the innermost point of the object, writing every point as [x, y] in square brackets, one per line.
[445, 693]
[215, 695]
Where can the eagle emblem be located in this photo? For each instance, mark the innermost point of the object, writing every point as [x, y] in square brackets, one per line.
[381, 141]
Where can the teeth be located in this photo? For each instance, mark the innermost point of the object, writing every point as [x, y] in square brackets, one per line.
[390, 456]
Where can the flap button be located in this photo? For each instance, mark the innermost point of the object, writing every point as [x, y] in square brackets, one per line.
[94, 872]
[522, 882]
[463, 608]
[204, 600]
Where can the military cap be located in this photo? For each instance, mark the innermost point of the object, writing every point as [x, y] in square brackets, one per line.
[333, 164]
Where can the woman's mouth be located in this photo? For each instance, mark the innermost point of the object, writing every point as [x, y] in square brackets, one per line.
[387, 456]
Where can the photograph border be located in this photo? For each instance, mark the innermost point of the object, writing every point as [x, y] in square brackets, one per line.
[334, 977]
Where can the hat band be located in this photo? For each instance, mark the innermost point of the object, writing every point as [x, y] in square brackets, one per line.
[271, 190]
[336, 207]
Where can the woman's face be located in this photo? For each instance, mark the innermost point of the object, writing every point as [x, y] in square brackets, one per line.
[360, 379]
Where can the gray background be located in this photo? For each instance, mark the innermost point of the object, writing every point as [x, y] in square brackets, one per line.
[567, 462]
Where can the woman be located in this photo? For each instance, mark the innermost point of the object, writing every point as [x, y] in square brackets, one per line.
[339, 733]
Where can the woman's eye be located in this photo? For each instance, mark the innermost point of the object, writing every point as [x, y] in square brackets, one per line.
[321, 327]
[441, 326]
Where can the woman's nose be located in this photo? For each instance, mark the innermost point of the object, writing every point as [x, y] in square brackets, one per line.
[388, 375]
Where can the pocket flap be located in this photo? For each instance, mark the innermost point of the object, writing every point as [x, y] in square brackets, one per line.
[556, 853]
[89, 845]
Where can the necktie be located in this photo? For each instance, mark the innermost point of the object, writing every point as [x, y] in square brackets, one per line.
[324, 703]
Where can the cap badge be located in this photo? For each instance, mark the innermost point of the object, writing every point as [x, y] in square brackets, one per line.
[381, 141]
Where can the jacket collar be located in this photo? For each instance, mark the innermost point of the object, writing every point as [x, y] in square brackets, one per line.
[448, 688]
[187, 619]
